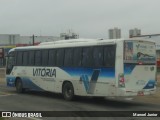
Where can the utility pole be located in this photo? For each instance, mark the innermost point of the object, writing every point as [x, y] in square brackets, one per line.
[33, 39]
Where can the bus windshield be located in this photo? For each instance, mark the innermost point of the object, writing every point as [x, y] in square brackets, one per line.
[139, 52]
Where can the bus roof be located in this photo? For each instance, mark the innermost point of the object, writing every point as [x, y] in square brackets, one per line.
[74, 43]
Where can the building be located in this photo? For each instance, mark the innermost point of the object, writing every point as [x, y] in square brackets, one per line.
[16, 39]
[134, 32]
[30, 40]
[9, 41]
[114, 33]
[68, 35]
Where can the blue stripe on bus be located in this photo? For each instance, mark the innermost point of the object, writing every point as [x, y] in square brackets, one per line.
[104, 72]
[150, 84]
[85, 80]
[27, 83]
[90, 84]
[128, 68]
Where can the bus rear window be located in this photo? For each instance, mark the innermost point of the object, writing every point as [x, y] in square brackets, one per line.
[139, 51]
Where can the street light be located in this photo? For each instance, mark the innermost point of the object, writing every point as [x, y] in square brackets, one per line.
[33, 39]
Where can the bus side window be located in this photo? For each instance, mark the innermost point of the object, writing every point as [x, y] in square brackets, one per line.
[68, 57]
[60, 57]
[98, 56]
[87, 57]
[31, 58]
[109, 56]
[52, 57]
[45, 57]
[19, 58]
[77, 57]
[25, 58]
[10, 62]
[38, 58]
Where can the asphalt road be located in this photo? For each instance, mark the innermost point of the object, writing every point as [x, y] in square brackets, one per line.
[45, 101]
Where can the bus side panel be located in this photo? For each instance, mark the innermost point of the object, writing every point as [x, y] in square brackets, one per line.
[86, 81]
[119, 60]
[140, 76]
[92, 82]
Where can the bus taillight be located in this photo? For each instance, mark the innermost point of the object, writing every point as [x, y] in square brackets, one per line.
[121, 80]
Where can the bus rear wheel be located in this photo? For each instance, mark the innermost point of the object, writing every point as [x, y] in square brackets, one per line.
[68, 91]
[19, 86]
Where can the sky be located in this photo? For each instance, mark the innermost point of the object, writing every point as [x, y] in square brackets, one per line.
[88, 18]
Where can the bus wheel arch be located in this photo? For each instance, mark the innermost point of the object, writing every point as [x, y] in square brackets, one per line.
[68, 90]
[19, 85]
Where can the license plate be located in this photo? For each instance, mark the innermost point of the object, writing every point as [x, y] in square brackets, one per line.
[140, 93]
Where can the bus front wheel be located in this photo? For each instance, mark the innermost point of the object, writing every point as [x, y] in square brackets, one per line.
[19, 86]
[68, 91]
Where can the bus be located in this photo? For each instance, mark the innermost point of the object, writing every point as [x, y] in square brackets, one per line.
[85, 67]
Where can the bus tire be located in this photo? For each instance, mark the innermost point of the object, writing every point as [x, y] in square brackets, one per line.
[19, 86]
[68, 91]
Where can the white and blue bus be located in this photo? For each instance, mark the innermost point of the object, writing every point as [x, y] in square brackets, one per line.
[100, 68]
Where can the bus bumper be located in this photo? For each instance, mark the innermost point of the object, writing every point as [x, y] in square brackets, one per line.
[124, 92]
[10, 81]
